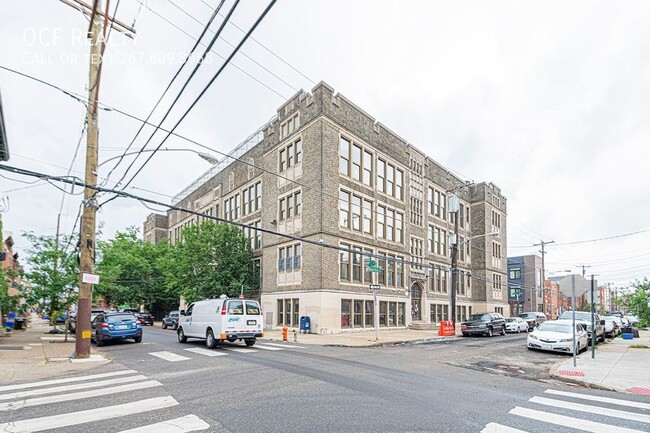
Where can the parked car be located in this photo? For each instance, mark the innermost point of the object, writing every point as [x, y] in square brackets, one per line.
[116, 326]
[171, 320]
[634, 320]
[584, 318]
[145, 318]
[73, 321]
[221, 319]
[516, 324]
[533, 319]
[484, 324]
[557, 336]
[613, 325]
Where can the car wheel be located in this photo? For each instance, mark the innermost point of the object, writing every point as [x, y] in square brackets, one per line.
[138, 339]
[490, 333]
[175, 326]
[164, 325]
[249, 342]
[210, 342]
[98, 340]
[503, 330]
[181, 336]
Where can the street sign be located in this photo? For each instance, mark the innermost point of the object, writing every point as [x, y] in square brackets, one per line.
[581, 285]
[375, 287]
[90, 278]
[372, 266]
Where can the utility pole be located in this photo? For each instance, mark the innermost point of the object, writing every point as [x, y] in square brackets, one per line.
[543, 244]
[87, 240]
[584, 269]
[454, 263]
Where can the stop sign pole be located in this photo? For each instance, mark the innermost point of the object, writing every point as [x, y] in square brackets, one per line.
[374, 269]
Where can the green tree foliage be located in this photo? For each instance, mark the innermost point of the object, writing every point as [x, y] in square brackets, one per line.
[53, 276]
[131, 272]
[212, 260]
[640, 301]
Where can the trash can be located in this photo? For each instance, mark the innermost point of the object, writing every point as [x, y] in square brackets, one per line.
[11, 318]
[305, 324]
[18, 324]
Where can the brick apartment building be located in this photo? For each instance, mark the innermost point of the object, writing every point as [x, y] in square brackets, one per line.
[334, 175]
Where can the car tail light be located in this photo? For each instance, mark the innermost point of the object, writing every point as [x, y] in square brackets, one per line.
[138, 323]
[104, 325]
[223, 310]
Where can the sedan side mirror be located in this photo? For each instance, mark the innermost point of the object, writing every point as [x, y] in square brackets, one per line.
[602, 322]
[182, 312]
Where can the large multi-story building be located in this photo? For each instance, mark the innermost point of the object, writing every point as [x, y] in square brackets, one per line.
[525, 284]
[155, 228]
[346, 187]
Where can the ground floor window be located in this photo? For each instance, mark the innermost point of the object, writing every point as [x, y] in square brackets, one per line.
[288, 312]
[369, 313]
[357, 313]
[383, 307]
[463, 312]
[345, 313]
[498, 310]
[439, 313]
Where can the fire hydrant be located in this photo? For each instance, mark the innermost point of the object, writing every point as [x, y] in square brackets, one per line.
[285, 333]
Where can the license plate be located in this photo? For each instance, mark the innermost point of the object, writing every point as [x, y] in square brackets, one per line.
[547, 346]
[121, 326]
[251, 322]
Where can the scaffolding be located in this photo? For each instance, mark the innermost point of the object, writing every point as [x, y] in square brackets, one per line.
[243, 147]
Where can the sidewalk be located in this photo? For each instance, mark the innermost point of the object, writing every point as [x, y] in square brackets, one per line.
[387, 337]
[32, 354]
[617, 366]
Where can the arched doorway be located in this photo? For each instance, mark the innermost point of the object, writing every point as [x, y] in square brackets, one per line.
[416, 301]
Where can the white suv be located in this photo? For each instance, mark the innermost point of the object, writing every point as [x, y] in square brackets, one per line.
[584, 318]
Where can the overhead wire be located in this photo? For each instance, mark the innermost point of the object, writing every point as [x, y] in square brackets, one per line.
[137, 134]
[171, 107]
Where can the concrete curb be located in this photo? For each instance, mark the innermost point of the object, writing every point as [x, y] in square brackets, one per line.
[553, 372]
[397, 343]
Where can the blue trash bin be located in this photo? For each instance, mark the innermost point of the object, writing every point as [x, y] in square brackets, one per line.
[305, 324]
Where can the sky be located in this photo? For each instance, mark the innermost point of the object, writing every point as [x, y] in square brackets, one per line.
[546, 99]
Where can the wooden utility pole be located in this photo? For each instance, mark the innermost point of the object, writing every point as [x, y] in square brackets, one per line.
[87, 240]
[542, 243]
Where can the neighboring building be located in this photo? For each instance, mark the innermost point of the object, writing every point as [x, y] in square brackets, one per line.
[155, 228]
[325, 170]
[4, 146]
[556, 301]
[524, 284]
[9, 261]
[603, 299]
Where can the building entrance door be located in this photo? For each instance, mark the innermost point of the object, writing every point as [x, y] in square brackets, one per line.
[416, 302]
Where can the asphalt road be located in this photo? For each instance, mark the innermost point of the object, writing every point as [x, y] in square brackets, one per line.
[460, 386]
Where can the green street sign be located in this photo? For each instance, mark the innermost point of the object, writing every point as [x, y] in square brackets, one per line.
[372, 266]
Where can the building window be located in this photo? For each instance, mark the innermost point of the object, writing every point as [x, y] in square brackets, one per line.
[358, 314]
[289, 258]
[290, 206]
[254, 235]
[381, 175]
[390, 224]
[439, 313]
[344, 264]
[369, 313]
[496, 221]
[496, 254]
[416, 249]
[356, 265]
[515, 273]
[288, 312]
[497, 291]
[290, 125]
[355, 212]
[290, 155]
[251, 198]
[344, 156]
[346, 307]
[356, 162]
[383, 313]
[367, 168]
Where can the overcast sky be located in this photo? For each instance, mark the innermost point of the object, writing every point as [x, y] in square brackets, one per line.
[549, 100]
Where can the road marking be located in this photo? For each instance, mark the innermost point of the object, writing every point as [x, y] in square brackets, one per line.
[22, 394]
[240, 349]
[66, 380]
[178, 425]
[15, 405]
[169, 356]
[498, 428]
[598, 410]
[86, 416]
[206, 352]
[284, 346]
[263, 347]
[618, 401]
[567, 421]
[57, 338]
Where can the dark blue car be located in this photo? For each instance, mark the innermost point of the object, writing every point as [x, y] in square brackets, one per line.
[116, 326]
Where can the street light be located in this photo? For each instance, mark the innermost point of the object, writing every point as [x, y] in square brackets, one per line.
[211, 159]
[454, 266]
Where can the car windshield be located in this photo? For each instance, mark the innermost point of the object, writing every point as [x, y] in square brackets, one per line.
[511, 319]
[555, 327]
[482, 317]
[174, 314]
[527, 315]
[120, 318]
[580, 315]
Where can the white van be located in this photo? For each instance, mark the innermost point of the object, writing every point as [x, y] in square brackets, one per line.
[216, 320]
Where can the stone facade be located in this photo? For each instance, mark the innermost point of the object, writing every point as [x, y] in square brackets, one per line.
[155, 228]
[339, 207]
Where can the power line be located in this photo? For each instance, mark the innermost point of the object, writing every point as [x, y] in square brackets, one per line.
[180, 93]
[137, 134]
[604, 239]
[205, 89]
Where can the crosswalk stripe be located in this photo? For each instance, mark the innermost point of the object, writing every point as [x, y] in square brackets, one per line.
[263, 347]
[240, 349]
[206, 352]
[598, 410]
[66, 380]
[284, 346]
[178, 425]
[567, 421]
[86, 416]
[64, 388]
[169, 356]
[498, 428]
[618, 401]
[19, 404]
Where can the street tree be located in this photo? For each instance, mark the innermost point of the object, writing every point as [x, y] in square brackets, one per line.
[640, 300]
[131, 272]
[53, 274]
[213, 259]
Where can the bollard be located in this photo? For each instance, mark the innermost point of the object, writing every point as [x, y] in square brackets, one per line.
[295, 336]
[285, 333]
